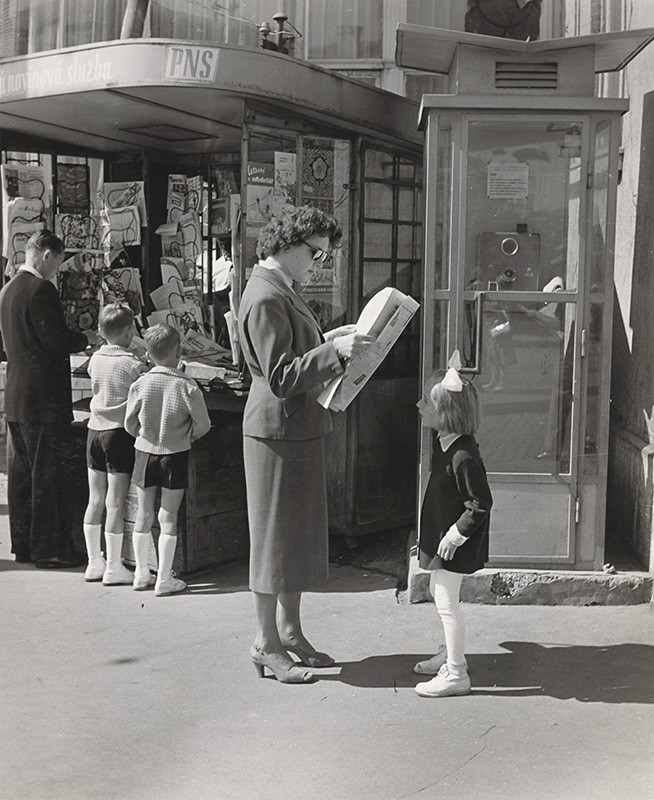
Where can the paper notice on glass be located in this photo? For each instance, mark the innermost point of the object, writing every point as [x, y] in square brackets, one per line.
[385, 316]
[507, 180]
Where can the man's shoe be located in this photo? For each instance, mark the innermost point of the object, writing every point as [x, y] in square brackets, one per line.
[116, 575]
[444, 685]
[168, 586]
[59, 563]
[95, 570]
[23, 558]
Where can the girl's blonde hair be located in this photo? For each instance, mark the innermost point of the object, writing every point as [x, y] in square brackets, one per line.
[455, 412]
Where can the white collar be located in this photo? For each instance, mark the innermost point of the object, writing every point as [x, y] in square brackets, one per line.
[448, 439]
[269, 264]
[31, 270]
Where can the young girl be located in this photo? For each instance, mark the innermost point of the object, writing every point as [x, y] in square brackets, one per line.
[454, 521]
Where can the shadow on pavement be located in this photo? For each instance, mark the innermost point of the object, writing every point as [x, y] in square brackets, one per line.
[614, 674]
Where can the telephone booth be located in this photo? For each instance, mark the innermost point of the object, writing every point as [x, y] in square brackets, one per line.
[521, 169]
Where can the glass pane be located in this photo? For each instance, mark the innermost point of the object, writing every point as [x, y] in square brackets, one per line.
[444, 14]
[378, 164]
[522, 204]
[600, 198]
[526, 387]
[594, 353]
[236, 23]
[407, 200]
[408, 278]
[437, 358]
[375, 277]
[326, 292]
[378, 240]
[407, 241]
[378, 201]
[344, 29]
[443, 203]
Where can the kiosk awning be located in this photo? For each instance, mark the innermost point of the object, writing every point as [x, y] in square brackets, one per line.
[181, 97]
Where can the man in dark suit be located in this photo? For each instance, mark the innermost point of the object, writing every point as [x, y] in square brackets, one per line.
[38, 406]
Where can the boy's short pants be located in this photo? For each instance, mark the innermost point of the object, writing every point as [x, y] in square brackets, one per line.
[110, 451]
[169, 471]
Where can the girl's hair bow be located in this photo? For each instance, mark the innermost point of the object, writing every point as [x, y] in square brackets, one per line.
[452, 380]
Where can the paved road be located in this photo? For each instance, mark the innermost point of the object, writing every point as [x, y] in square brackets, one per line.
[109, 693]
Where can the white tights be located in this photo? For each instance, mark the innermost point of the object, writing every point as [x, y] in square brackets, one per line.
[445, 587]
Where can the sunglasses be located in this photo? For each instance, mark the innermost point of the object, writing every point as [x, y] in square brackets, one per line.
[317, 254]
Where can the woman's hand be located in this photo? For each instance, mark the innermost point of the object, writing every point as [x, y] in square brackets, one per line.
[352, 344]
[343, 330]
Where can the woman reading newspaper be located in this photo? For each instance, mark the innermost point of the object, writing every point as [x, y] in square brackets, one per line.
[284, 427]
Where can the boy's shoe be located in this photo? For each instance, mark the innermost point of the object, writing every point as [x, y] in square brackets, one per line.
[432, 665]
[143, 579]
[117, 574]
[95, 569]
[169, 585]
[444, 685]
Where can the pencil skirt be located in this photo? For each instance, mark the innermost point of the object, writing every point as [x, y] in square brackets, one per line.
[286, 486]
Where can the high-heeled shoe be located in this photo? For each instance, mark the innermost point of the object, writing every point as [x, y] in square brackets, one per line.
[314, 659]
[284, 670]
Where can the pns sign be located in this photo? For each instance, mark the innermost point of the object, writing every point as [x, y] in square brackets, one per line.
[192, 63]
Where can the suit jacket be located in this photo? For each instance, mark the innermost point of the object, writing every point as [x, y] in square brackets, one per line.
[457, 493]
[37, 345]
[288, 359]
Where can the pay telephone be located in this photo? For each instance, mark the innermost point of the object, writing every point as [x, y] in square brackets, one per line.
[509, 260]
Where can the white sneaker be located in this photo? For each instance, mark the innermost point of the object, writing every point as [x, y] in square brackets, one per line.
[169, 585]
[432, 665]
[95, 569]
[117, 574]
[444, 685]
[143, 579]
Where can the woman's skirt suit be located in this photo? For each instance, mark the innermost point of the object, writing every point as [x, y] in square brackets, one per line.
[457, 494]
[283, 435]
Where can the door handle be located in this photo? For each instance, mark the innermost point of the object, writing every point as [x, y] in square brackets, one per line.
[475, 367]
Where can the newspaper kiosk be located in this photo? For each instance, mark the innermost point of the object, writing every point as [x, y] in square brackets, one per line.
[203, 143]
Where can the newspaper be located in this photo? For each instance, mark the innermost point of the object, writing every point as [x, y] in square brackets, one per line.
[385, 316]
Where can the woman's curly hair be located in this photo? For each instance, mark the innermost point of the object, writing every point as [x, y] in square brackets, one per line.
[293, 225]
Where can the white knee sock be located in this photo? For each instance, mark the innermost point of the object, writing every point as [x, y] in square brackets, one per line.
[92, 535]
[167, 545]
[114, 547]
[141, 545]
[446, 587]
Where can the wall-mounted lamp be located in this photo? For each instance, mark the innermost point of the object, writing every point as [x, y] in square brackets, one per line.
[284, 39]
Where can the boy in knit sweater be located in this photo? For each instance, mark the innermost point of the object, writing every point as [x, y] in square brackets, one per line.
[109, 448]
[165, 413]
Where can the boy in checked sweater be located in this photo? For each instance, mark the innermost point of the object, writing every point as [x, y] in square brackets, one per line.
[165, 413]
[109, 448]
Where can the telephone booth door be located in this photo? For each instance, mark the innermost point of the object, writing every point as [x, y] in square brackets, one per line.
[518, 253]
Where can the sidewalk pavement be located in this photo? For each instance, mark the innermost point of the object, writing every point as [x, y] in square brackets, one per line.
[109, 693]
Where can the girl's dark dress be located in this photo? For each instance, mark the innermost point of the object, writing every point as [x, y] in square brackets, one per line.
[457, 493]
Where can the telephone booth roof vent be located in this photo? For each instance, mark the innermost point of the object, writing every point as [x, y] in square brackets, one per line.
[488, 65]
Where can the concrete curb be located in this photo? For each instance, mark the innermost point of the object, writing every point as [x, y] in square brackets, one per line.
[540, 587]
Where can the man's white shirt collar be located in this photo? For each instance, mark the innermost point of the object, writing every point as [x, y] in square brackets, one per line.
[31, 270]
